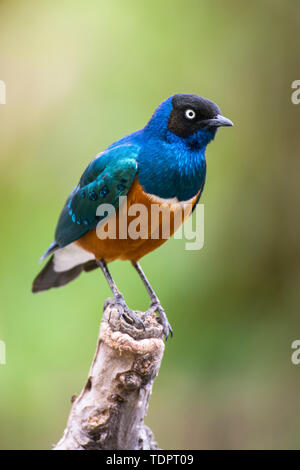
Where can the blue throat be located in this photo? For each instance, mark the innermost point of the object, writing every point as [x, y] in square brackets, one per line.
[172, 166]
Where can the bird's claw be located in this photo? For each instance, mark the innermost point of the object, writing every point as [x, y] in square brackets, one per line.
[156, 307]
[129, 315]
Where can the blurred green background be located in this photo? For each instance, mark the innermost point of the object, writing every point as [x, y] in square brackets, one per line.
[79, 75]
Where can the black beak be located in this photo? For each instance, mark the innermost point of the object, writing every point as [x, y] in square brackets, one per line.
[219, 121]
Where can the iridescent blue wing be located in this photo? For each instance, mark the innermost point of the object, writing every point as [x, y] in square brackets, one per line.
[108, 177]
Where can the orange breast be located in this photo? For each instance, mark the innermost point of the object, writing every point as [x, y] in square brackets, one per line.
[138, 227]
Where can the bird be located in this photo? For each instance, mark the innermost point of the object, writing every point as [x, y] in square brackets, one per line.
[162, 164]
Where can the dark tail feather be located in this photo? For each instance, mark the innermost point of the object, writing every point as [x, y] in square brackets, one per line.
[48, 278]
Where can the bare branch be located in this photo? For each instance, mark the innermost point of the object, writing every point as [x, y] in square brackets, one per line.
[109, 413]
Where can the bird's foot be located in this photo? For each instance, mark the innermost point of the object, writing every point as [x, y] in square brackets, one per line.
[124, 311]
[156, 307]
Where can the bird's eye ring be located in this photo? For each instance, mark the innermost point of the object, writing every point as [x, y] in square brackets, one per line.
[190, 114]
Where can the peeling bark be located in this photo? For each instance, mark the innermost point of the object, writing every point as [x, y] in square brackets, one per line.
[109, 413]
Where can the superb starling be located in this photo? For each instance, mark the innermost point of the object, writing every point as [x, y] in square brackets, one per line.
[163, 164]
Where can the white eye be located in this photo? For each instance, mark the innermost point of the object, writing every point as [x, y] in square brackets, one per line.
[190, 114]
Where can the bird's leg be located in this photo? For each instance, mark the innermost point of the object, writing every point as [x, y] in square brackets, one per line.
[118, 297]
[113, 287]
[155, 305]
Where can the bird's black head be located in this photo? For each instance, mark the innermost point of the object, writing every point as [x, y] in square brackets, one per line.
[191, 113]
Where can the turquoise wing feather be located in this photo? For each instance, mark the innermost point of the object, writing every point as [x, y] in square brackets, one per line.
[109, 176]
